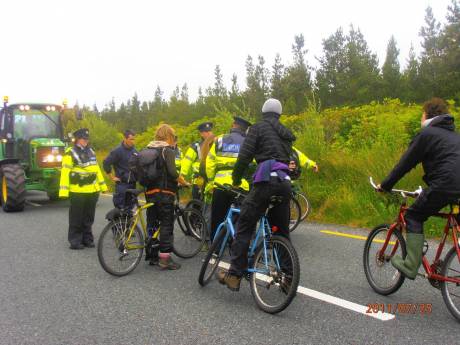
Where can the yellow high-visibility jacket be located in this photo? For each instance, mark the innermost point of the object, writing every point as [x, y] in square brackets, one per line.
[220, 162]
[191, 161]
[73, 164]
[304, 161]
[178, 159]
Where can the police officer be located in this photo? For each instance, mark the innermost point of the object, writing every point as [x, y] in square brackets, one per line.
[270, 144]
[191, 161]
[219, 166]
[124, 179]
[81, 180]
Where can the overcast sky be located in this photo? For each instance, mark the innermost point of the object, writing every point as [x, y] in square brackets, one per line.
[91, 51]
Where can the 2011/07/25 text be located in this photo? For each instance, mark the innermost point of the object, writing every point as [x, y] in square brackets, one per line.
[399, 308]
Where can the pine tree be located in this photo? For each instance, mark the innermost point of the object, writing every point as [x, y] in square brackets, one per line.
[410, 78]
[297, 79]
[430, 63]
[276, 79]
[450, 53]
[219, 89]
[391, 75]
[330, 77]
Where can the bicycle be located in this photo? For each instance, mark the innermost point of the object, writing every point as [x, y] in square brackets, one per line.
[304, 203]
[272, 260]
[295, 213]
[123, 240]
[388, 240]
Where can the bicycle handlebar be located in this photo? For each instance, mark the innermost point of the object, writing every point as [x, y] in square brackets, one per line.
[404, 193]
[230, 188]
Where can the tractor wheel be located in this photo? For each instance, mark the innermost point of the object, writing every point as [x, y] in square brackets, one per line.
[13, 188]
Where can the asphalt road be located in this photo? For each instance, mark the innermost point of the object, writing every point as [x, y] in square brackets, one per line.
[52, 295]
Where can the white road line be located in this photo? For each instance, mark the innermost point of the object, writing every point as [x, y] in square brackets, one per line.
[334, 300]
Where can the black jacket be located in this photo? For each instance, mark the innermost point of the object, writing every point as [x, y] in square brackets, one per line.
[437, 147]
[167, 163]
[267, 139]
[118, 158]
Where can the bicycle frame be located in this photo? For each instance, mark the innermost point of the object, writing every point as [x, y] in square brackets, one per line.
[429, 268]
[138, 217]
[263, 232]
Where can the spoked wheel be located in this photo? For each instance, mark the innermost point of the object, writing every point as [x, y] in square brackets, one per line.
[451, 289]
[189, 239]
[116, 254]
[295, 214]
[381, 275]
[275, 286]
[305, 206]
[212, 259]
[196, 204]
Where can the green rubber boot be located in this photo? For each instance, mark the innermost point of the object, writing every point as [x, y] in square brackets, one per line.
[410, 266]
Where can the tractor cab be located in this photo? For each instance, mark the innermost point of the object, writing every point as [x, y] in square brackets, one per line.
[32, 144]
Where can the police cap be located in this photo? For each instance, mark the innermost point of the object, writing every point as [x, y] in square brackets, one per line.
[82, 133]
[205, 126]
[242, 122]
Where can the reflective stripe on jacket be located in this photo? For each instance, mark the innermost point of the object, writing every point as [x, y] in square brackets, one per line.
[222, 157]
[82, 169]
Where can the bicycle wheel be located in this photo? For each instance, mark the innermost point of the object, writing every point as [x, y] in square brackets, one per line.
[381, 275]
[117, 256]
[275, 286]
[295, 213]
[196, 204]
[451, 290]
[305, 206]
[189, 241]
[212, 259]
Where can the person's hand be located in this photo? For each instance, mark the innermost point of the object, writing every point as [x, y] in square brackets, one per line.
[379, 188]
[114, 178]
[316, 168]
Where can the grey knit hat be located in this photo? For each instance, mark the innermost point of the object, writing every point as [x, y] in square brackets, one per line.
[272, 105]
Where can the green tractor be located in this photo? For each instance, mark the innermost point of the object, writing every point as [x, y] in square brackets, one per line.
[31, 149]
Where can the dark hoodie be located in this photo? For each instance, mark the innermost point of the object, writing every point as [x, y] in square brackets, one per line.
[437, 147]
[267, 139]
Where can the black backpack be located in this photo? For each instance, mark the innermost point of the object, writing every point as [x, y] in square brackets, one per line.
[295, 174]
[147, 165]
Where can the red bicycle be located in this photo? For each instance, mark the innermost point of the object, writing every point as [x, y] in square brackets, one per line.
[384, 241]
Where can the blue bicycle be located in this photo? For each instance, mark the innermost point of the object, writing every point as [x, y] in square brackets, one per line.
[273, 264]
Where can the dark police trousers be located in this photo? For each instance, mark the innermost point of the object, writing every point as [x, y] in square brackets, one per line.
[81, 217]
[254, 206]
[221, 202]
[427, 204]
[119, 197]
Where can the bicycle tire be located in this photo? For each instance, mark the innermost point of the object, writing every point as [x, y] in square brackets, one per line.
[397, 278]
[104, 237]
[189, 242]
[294, 214]
[445, 290]
[207, 270]
[196, 204]
[304, 203]
[284, 281]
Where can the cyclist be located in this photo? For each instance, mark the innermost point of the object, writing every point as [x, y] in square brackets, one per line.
[437, 147]
[162, 192]
[270, 143]
[219, 166]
